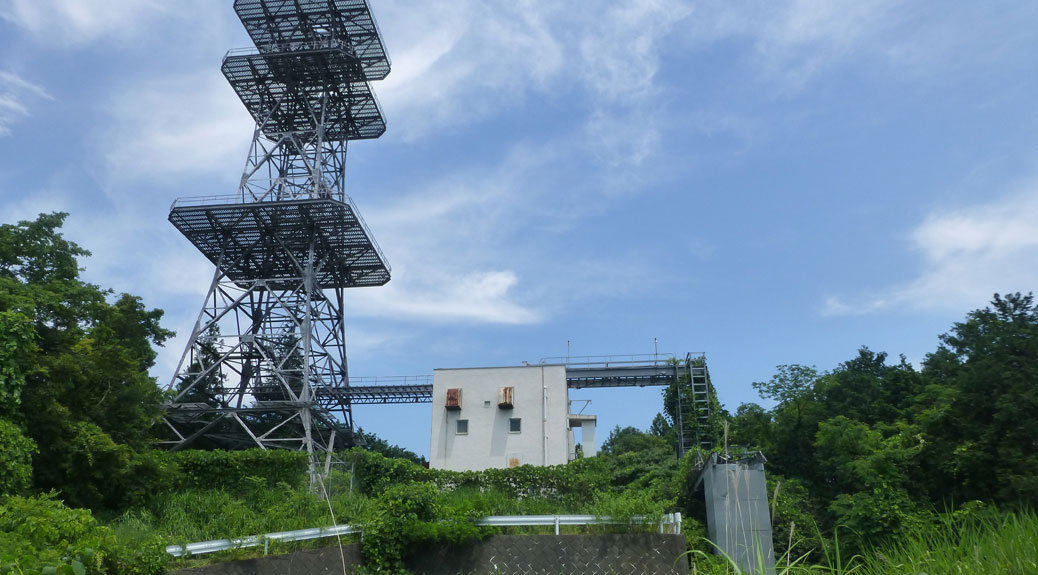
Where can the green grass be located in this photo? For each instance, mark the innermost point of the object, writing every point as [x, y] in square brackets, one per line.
[989, 543]
[205, 514]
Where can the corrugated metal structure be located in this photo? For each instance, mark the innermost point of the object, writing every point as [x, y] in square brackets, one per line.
[737, 515]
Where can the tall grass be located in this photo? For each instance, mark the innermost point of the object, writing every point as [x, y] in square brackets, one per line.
[989, 544]
[201, 515]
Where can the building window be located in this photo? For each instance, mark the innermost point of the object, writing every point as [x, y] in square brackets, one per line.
[515, 425]
[486, 403]
[463, 426]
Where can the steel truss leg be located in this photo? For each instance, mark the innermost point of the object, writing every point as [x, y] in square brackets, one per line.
[258, 362]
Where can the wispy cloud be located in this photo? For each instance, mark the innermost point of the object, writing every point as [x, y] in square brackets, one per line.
[483, 57]
[487, 243]
[968, 254]
[444, 240]
[77, 21]
[480, 297]
[807, 36]
[477, 58]
[16, 93]
[176, 126]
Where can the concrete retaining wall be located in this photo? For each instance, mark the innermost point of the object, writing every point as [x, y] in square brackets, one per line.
[635, 554]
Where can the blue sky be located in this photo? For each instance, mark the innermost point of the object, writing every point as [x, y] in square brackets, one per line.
[766, 182]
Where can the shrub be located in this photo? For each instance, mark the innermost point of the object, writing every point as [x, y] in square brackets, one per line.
[239, 470]
[405, 516]
[40, 535]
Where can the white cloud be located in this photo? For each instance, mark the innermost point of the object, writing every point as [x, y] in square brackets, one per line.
[482, 244]
[792, 42]
[76, 21]
[182, 125]
[968, 254]
[15, 95]
[483, 56]
[444, 239]
[618, 46]
[478, 296]
[460, 61]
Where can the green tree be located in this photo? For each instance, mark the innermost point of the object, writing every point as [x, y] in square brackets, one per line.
[372, 442]
[867, 389]
[204, 382]
[796, 416]
[751, 427]
[867, 478]
[979, 410]
[791, 387]
[16, 350]
[76, 365]
[16, 453]
[640, 461]
[660, 427]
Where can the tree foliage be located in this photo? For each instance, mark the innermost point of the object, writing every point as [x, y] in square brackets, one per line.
[372, 442]
[16, 453]
[74, 361]
[40, 536]
[978, 410]
[878, 443]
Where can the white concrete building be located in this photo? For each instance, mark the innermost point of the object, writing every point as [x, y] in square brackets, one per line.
[505, 417]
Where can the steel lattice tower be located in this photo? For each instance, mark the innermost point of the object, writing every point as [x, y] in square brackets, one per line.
[266, 363]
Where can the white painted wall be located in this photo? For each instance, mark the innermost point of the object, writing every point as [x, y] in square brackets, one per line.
[587, 424]
[541, 401]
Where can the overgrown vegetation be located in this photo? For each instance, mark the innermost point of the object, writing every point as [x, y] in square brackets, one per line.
[879, 445]
[897, 467]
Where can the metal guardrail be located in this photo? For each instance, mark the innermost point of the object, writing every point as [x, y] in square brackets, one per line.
[214, 546]
[390, 380]
[648, 359]
[275, 48]
[670, 522]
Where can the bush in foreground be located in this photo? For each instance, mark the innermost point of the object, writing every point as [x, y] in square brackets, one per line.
[40, 536]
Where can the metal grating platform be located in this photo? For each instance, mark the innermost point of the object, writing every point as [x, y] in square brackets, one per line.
[268, 240]
[277, 25]
[281, 91]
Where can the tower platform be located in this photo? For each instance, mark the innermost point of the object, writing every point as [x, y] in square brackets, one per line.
[283, 25]
[281, 90]
[271, 241]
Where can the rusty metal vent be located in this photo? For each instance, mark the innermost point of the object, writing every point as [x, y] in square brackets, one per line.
[454, 398]
[505, 396]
